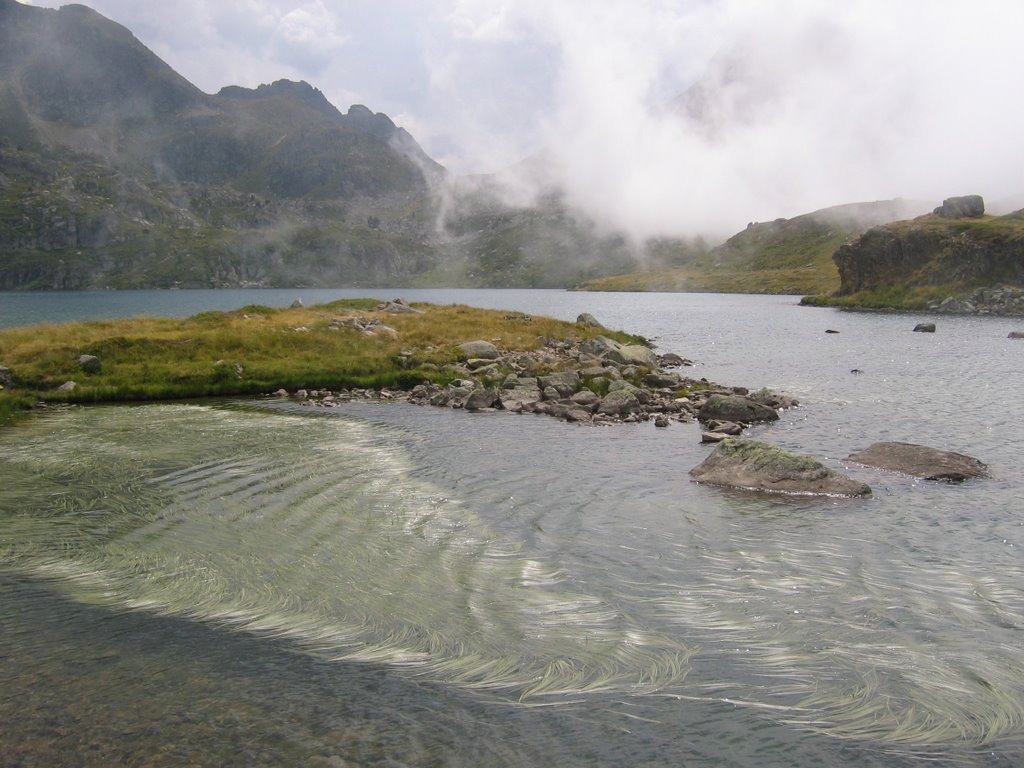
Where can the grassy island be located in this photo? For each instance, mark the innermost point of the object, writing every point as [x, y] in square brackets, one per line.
[344, 344]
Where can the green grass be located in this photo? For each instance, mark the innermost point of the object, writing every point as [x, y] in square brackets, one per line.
[256, 349]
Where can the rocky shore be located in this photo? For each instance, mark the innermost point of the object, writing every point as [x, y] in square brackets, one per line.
[594, 381]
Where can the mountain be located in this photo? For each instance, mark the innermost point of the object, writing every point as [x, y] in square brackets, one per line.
[117, 172]
[781, 256]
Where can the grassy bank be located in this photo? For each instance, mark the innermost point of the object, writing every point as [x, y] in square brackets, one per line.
[256, 349]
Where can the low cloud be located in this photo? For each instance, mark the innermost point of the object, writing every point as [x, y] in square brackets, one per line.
[657, 116]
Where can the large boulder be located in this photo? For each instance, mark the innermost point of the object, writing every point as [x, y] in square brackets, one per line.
[588, 321]
[920, 461]
[634, 354]
[619, 403]
[967, 206]
[756, 466]
[735, 408]
[564, 382]
[483, 350]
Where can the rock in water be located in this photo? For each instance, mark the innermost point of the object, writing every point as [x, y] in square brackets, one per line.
[920, 461]
[736, 408]
[924, 328]
[756, 466]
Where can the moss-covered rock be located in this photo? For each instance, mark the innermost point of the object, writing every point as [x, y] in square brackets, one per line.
[757, 466]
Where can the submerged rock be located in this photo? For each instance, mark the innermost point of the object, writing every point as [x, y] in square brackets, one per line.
[920, 461]
[756, 466]
[924, 328]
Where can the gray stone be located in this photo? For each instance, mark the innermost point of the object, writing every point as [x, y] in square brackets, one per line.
[662, 380]
[481, 398]
[588, 320]
[297, 304]
[924, 328]
[67, 386]
[736, 408]
[967, 206]
[480, 349]
[619, 402]
[89, 363]
[672, 360]
[6, 377]
[756, 466]
[566, 382]
[1012, 335]
[661, 421]
[585, 397]
[634, 354]
[599, 346]
[920, 461]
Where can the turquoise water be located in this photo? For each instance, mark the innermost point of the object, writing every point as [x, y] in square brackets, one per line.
[250, 583]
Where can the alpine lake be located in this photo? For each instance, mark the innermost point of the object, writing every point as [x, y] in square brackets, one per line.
[250, 582]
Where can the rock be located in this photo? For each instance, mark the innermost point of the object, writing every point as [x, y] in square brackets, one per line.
[920, 461]
[727, 428]
[968, 206]
[672, 360]
[713, 437]
[634, 354]
[588, 320]
[924, 328]
[829, 330]
[585, 398]
[736, 408]
[565, 382]
[662, 380]
[67, 386]
[480, 349]
[1013, 335]
[599, 346]
[618, 403]
[281, 393]
[757, 466]
[89, 363]
[397, 306]
[6, 377]
[661, 420]
[774, 400]
[481, 398]
[297, 304]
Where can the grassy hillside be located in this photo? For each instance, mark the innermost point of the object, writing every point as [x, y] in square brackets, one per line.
[789, 256]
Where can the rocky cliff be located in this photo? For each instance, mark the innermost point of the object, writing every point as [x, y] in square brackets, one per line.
[945, 251]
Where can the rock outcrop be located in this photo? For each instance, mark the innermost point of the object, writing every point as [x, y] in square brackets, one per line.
[920, 461]
[756, 466]
[966, 207]
[936, 250]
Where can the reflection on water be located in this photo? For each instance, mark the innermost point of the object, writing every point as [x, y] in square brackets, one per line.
[500, 561]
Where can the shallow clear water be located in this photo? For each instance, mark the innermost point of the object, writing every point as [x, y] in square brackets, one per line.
[260, 583]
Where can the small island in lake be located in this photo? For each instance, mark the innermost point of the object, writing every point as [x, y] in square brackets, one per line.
[453, 356]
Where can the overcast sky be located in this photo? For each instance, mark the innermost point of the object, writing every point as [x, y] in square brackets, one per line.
[817, 102]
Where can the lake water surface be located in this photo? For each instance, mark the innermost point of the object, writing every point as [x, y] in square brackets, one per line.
[256, 583]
